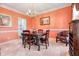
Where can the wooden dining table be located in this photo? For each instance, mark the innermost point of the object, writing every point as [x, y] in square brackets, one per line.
[36, 37]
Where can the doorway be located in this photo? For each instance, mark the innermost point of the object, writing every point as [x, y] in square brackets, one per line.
[21, 25]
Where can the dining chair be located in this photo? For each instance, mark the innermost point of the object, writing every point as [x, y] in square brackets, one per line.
[45, 38]
[40, 30]
[26, 31]
[47, 32]
[62, 37]
[27, 38]
[24, 35]
[34, 32]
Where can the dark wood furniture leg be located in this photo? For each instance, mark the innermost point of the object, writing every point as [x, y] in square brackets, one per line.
[38, 43]
[38, 47]
[29, 46]
[56, 39]
[24, 43]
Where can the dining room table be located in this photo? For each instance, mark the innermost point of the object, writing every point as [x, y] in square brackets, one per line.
[36, 37]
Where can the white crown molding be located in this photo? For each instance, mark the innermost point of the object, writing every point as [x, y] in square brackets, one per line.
[37, 13]
[52, 9]
[9, 8]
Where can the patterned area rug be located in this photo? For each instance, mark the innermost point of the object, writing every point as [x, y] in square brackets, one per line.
[15, 48]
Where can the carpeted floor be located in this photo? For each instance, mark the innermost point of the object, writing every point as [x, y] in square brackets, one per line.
[15, 48]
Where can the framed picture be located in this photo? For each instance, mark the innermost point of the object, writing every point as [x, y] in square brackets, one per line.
[45, 21]
[5, 20]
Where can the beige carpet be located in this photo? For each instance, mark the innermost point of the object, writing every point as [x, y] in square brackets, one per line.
[15, 48]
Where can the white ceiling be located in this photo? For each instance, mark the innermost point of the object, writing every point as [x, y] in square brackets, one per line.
[35, 8]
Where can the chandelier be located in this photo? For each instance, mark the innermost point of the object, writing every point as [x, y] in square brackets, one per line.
[31, 11]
